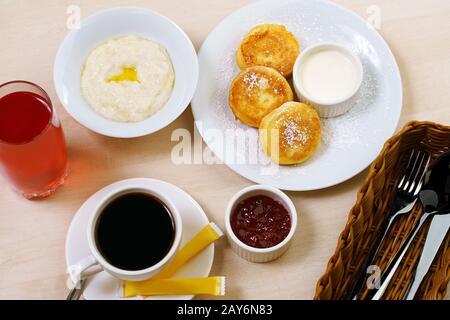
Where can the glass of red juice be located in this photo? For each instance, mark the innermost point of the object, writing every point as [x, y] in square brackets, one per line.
[33, 155]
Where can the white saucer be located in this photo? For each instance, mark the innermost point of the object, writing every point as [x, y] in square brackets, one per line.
[103, 286]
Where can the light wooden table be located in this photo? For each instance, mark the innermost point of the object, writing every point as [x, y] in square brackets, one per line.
[32, 233]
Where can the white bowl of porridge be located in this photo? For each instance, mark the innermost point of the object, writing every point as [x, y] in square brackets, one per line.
[126, 72]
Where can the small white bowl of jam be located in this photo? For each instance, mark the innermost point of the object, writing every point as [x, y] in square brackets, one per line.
[328, 76]
[260, 222]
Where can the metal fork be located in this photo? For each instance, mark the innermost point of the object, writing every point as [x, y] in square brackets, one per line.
[405, 198]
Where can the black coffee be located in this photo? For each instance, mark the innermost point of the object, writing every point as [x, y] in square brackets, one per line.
[134, 231]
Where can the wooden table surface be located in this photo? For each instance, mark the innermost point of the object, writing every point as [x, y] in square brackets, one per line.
[32, 233]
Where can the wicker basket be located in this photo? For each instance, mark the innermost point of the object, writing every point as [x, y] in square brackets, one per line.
[366, 216]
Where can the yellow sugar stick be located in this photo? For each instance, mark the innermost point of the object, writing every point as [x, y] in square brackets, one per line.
[198, 243]
[212, 286]
[201, 240]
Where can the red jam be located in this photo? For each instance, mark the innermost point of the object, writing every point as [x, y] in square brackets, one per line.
[260, 221]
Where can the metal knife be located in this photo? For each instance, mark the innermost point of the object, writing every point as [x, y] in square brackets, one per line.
[436, 233]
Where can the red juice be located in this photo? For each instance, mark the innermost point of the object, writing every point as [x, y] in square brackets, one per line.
[32, 149]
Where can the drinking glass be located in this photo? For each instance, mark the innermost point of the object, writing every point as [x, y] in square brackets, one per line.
[33, 157]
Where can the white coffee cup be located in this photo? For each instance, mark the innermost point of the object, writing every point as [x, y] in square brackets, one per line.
[95, 262]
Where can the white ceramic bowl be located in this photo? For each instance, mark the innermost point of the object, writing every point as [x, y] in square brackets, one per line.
[327, 109]
[258, 254]
[97, 28]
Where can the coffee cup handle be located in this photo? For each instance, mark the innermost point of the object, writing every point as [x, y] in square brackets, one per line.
[85, 268]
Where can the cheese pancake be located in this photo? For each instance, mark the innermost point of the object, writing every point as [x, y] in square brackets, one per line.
[255, 92]
[291, 133]
[269, 45]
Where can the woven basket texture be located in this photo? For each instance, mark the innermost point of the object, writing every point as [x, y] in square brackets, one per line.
[365, 219]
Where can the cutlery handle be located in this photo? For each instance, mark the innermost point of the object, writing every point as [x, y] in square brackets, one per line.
[398, 259]
[76, 292]
[375, 248]
[436, 233]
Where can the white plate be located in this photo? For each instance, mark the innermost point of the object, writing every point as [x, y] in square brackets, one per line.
[102, 286]
[75, 48]
[349, 142]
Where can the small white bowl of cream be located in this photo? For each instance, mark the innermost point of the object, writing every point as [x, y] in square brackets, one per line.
[327, 76]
